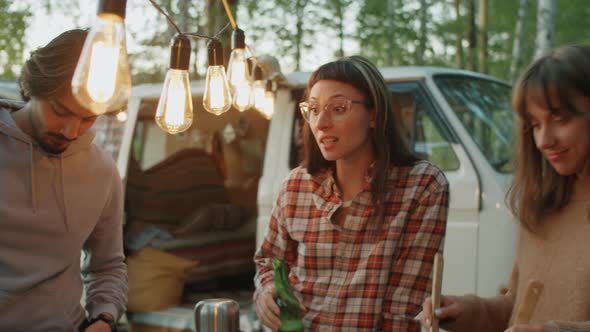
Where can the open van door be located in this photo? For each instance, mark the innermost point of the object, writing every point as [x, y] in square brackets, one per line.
[432, 139]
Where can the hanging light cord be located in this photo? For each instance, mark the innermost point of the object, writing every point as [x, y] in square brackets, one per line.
[229, 15]
[199, 36]
[222, 30]
[167, 17]
[194, 35]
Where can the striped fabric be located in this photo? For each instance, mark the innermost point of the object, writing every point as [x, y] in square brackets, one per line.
[218, 254]
[173, 188]
[359, 276]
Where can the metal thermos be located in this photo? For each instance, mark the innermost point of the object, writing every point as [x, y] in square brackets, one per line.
[217, 315]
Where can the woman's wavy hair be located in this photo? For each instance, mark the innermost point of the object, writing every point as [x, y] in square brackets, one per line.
[49, 69]
[537, 189]
[386, 139]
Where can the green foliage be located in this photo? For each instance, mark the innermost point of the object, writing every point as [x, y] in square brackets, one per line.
[573, 22]
[301, 30]
[290, 24]
[12, 38]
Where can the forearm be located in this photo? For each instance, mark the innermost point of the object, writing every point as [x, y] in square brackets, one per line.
[105, 271]
[107, 289]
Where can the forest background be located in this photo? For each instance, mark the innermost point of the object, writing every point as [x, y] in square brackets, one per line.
[498, 37]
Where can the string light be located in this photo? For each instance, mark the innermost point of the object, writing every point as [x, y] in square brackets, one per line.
[237, 69]
[216, 97]
[175, 107]
[242, 94]
[268, 107]
[122, 116]
[102, 81]
[258, 89]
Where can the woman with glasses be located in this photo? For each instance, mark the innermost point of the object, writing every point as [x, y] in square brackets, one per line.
[359, 222]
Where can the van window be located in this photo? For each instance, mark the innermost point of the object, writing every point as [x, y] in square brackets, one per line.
[483, 107]
[420, 128]
[109, 134]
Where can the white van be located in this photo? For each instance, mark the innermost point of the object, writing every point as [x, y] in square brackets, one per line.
[460, 120]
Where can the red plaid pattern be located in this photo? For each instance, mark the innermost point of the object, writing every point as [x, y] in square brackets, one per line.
[359, 276]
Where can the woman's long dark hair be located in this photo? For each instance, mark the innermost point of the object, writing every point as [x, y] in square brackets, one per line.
[386, 139]
[553, 79]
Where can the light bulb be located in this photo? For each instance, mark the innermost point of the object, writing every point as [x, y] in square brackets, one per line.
[175, 107]
[269, 104]
[122, 116]
[242, 97]
[237, 69]
[216, 97]
[258, 93]
[102, 81]
[268, 101]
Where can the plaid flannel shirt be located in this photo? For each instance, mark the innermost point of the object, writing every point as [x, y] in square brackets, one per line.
[358, 276]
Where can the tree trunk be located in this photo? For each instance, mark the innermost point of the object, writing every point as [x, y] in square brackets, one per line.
[545, 27]
[421, 49]
[391, 9]
[483, 36]
[459, 42]
[183, 16]
[340, 14]
[519, 35]
[472, 35]
[299, 11]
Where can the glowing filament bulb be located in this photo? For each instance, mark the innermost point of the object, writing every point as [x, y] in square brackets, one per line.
[102, 80]
[216, 98]
[175, 109]
[102, 72]
[242, 97]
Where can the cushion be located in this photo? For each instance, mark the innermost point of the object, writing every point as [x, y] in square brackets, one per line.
[172, 189]
[214, 217]
[156, 279]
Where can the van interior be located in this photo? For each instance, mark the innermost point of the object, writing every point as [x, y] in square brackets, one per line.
[190, 209]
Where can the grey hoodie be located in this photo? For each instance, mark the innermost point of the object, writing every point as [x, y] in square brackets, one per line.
[52, 207]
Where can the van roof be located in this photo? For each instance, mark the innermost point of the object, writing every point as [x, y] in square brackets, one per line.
[299, 79]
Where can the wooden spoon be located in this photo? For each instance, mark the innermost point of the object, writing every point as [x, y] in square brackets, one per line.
[528, 302]
[437, 271]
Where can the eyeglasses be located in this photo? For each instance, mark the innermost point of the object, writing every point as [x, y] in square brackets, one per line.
[339, 109]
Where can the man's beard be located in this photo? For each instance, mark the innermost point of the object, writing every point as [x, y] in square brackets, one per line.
[38, 137]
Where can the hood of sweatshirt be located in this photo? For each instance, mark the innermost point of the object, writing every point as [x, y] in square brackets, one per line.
[9, 128]
[51, 207]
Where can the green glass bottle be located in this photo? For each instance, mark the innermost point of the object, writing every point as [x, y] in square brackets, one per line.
[290, 314]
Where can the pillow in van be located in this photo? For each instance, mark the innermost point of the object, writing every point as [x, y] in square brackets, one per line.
[156, 279]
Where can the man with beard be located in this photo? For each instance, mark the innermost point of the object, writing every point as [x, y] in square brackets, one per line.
[59, 195]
